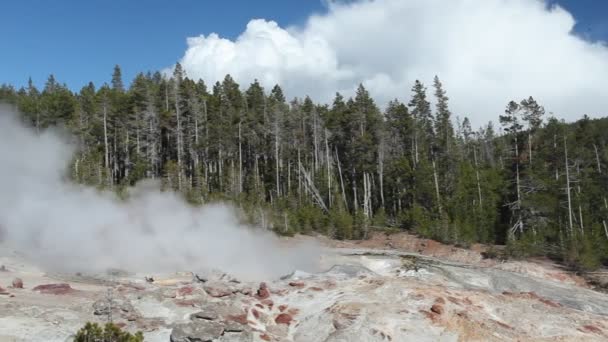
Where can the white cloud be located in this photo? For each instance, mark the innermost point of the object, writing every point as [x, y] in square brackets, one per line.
[486, 52]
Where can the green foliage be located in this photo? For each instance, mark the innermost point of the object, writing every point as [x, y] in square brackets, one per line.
[92, 332]
[342, 169]
[342, 224]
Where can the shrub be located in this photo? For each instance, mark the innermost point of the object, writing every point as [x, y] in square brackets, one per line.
[92, 332]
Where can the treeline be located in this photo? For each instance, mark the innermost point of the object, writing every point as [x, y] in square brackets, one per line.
[540, 186]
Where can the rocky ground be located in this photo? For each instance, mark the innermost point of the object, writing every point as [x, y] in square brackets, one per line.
[395, 288]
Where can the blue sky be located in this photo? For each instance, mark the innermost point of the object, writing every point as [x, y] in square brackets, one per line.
[80, 40]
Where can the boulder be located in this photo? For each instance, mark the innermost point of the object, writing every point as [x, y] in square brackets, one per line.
[120, 307]
[17, 283]
[263, 291]
[218, 289]
[283, 318]
[202, 330]
[3, 291]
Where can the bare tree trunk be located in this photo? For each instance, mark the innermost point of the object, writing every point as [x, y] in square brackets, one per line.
[381, 172]
[329, 199]
[555, 149]
[313, 190]
[288, 177]
[115, 157]
[530, 146]
[276, 156]
[178, 137]
[127, 159]
[355, 199]
[435, 178]
[219, 165]
[416, 160]
[477, 176]
[341, 179]
[299, 175]
[105, 141]
[597, 159]
[604, 220]
[240, 161]
[315, 140]
[570, 225]
[518, 184]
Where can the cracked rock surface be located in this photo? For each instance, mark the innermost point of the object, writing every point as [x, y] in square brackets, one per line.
[366, 293]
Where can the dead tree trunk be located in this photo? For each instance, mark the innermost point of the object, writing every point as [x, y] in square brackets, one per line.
[597, 159]
[105, 141]
[477, 176]
[570, 225]
[312, 189]
[436, 180]
[276, 156]
[341, 179]
[381, 172]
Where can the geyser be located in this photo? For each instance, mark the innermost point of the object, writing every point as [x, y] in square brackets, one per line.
[69, 227]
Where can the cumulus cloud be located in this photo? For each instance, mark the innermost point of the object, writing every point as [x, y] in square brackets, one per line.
[485, 52]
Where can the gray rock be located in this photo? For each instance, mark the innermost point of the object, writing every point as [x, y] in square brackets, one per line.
[200, 331]
[245, 336]
[208, 313]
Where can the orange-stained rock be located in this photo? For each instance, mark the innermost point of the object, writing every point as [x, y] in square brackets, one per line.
[55, 289]
[283, 319]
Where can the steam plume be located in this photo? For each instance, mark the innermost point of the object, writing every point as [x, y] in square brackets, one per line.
[68, 227]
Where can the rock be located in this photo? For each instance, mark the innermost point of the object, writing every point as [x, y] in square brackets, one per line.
[283, 319]
[218, 289]
[187, 302]
[592, 329]
[119, 306]
[197, 331]
[101, 308]
[265, 337]
[263, 291]
[200, 279]
[241, 319]
[297, 284]
[17, 283]
[208, 313]
[185, 291]
[236, 336]
[3, 291]
[255, 313]
[268, 302]
[3, 269]
[437, 308]
[55, 289]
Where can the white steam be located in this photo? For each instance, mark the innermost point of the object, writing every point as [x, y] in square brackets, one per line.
[68, 227]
